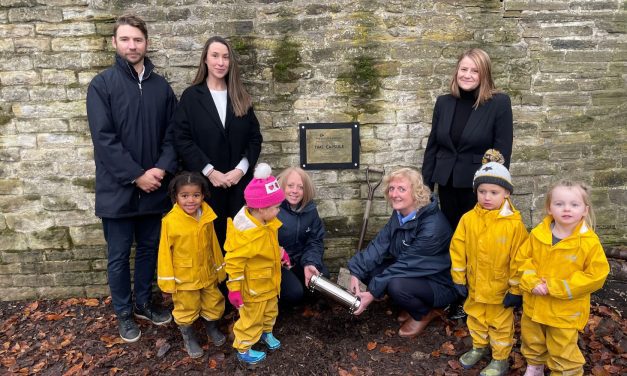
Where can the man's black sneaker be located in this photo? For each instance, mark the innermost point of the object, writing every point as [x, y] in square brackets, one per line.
[151, 313]
[129, 331]
[456, 311]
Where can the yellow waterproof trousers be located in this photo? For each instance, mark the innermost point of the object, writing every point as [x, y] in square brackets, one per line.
[491, 324]
[188, 305]
[254, 319]
[557, 347]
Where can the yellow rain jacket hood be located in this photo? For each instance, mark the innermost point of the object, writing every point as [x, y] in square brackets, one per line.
[190, 257]
[253, 257]
[483, 251]
[573, 268]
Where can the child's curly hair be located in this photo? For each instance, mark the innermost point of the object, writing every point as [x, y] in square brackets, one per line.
[419, 191]
[188, 178]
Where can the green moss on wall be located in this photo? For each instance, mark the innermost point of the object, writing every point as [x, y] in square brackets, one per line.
[286, 57]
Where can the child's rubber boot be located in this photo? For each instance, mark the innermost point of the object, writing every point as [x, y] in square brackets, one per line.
[470, 358]
[189, 340]
[214, 334]
[269, 340]
[251, 357]
[534, 370]
[495, 368]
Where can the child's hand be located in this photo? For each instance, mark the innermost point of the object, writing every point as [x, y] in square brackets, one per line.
[285, 258]
[235, 297]
[541, 289]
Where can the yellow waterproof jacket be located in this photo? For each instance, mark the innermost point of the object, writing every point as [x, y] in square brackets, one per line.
[253, 257]
[573, 269]
[190, 257]
[483, 251]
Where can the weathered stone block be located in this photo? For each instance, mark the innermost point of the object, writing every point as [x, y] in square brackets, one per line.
[12, 241]
[13, 268]
[49, 239]
[33, 280]
[16, 30]
[51, 109]
[612, 178]
[59, 292]
[25, 45]
[13, 94]
[12, 63]
[58, 77]
[77, 44]
[88, 235]
[18, 15]
[18, 293]
[44, 93]
[72, 29]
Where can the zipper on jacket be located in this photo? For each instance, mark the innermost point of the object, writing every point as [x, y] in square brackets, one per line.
[141, 93]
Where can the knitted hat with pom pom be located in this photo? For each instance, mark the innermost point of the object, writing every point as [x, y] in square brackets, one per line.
[493, 172]
[264, 190]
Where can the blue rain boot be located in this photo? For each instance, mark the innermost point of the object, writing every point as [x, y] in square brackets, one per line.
[251, 357]
[269, 340]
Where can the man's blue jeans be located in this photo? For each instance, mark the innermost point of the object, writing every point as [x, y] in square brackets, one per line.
[119, 234]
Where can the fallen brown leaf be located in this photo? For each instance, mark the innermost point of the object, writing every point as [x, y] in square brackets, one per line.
[371, 346]
[111, 340]
[353, 355]
[448, 348]
[53, 317]
[74, 370]
[92, 302]
[454, 364]
[599, 371]
[387, 350]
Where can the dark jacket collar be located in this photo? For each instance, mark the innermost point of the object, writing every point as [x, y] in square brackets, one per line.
[130, 70]
[309, 207]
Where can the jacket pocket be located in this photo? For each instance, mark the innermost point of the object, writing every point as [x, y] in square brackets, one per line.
[182, 269]
[259, 281]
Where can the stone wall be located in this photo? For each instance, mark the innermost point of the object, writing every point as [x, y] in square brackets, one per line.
[381, 63]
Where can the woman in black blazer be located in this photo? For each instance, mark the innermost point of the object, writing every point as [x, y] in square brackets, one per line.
[217, 132]
[473, 118]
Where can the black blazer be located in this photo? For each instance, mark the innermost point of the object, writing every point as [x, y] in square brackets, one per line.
[489, 126]
[200, 137]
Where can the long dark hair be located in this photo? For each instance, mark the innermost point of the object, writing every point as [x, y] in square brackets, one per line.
[240, 99]
[188, 178]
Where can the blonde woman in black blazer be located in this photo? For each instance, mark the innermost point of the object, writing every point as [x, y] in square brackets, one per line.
[217, 132]
[473, 118]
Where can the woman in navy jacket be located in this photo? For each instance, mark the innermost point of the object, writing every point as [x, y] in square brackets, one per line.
[409, 258]
[301, 235]
[217, 132]
[473, 118]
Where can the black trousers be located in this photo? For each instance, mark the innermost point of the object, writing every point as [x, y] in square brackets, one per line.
[293, 289]
[413, 295]
[455, 202]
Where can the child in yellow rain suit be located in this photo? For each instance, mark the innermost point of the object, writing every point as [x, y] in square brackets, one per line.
[253, 263]
[190, 263]
[561, 264]
[483, 252]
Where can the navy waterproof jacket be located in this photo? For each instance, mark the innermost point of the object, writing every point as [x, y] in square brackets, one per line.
[418, 248]
[302, 235]
[130, 129]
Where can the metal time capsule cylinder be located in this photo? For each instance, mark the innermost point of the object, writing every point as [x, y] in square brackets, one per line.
[333, 291]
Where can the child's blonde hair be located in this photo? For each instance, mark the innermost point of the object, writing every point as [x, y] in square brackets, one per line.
[309, 191]
[419, 191]
[584, 190]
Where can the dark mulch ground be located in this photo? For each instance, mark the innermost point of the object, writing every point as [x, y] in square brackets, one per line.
[79, 337]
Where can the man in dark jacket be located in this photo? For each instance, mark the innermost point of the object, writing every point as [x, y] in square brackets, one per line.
[129, 109]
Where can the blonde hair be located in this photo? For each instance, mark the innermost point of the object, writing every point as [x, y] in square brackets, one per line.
[484, 66]
[584, 190]
[308, 188]
[419, 191]
[240, 99]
